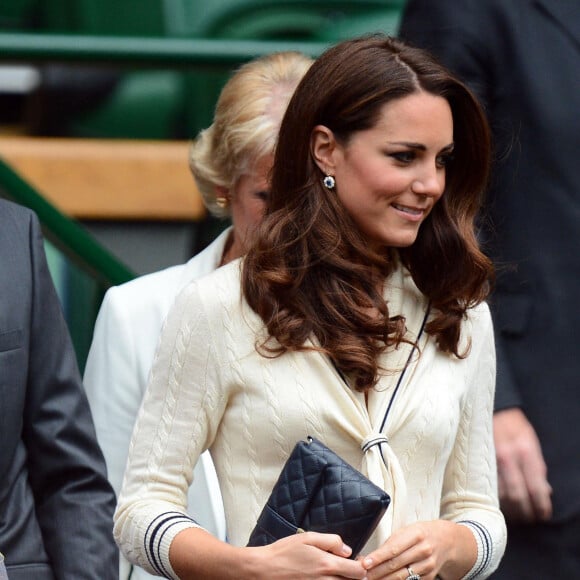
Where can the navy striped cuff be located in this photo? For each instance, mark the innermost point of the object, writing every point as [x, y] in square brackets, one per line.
[154, 536]
[484, 547]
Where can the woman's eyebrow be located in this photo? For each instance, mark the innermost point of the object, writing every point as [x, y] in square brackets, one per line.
[409, 144]
[420, 146]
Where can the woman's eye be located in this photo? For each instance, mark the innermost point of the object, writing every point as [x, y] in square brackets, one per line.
[262, 195]
[403, 156]
[444, 160]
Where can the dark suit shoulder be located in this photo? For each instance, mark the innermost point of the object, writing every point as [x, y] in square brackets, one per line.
[15, 220]
[10, 211]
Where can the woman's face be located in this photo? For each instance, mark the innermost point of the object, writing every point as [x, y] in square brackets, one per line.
[389, 177]
[248, 204]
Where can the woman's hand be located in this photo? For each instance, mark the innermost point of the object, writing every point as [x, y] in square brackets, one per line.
[197, 555]
[429, 549]
[306, 556]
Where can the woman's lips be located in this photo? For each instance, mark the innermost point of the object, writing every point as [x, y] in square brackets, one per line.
[412, 213]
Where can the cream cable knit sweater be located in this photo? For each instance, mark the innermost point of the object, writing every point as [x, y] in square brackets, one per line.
[209, 388]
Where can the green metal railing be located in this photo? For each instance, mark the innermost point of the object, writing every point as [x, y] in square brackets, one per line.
[145, 52]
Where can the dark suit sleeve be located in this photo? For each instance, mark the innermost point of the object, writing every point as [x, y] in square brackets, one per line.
[74, 501]
[455, 37]
[459, 39]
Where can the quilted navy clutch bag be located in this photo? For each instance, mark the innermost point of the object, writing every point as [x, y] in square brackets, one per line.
[318, 491]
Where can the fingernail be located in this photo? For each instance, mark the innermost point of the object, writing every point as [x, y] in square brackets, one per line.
[346, 550]
[368, 562]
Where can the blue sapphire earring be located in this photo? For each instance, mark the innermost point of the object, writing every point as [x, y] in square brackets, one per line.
[329, 182]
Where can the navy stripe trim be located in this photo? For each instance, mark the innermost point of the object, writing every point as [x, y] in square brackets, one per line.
[155, 533]
[486, 543]
[163, 534]
[376, 440]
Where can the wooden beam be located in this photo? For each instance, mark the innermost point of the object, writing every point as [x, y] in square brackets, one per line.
[105, 179]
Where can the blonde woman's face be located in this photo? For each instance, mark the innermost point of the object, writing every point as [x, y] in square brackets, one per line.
[248, 203]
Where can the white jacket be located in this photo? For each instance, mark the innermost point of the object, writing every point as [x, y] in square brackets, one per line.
[120, 358]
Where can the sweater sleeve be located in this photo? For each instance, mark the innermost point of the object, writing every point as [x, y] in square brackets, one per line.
[470, 486]
[177, 421]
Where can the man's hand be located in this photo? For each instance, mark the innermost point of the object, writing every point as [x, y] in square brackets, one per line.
[524, 491]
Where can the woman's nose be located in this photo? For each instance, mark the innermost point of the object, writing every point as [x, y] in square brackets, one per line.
[430, 181]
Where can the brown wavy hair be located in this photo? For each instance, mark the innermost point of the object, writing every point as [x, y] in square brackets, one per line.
[311, 273]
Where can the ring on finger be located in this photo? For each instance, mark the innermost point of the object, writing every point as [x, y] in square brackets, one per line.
[412, 575]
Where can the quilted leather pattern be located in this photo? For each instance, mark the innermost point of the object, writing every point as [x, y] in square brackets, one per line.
[318, 491]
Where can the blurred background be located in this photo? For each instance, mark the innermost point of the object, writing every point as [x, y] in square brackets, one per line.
[98, 102]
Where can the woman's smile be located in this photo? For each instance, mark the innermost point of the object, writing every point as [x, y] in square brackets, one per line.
[411, 213]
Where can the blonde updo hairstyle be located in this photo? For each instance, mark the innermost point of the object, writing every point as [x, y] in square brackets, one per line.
[246, 122]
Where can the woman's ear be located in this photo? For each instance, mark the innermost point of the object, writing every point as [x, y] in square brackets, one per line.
[222, 196]
[221, 192]
[323, 147]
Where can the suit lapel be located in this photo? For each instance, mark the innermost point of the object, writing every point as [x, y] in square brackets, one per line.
[566, 13]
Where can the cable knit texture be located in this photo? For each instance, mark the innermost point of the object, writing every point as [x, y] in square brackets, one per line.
[211, 389]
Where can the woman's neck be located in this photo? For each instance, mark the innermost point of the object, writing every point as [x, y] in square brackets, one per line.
[232, 250]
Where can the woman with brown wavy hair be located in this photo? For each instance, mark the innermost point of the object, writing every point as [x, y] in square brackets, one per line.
[357, 317]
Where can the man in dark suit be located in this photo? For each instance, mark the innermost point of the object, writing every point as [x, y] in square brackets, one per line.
[56, 505]
[522, 57]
